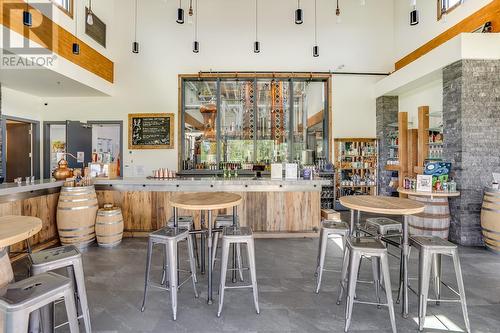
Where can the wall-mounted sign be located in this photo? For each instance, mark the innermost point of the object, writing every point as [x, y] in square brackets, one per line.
[151, 131]
[96, 30]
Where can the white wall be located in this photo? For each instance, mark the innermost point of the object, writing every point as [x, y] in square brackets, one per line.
[430, 94]
[408, 38]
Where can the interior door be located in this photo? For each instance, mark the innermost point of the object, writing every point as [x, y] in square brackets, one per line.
[78, 141]
[18, 162]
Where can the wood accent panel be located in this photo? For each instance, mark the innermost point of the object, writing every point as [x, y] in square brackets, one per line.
[412, 150]
[43, 207]
[490, 12]
[403, 147]
[263, 211]
[55, 38]
[423, 135]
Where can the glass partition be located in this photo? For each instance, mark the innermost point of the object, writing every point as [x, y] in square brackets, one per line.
[232, 122]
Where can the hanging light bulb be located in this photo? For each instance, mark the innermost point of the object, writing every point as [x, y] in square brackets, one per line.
[135, 44]
[27, 18]
[180, 14]
[190, 12]
[337, 13]
[256, 44]
[299, 14]
[75, 47]
[315, 47]
[90, 14]
[414, 13]
[196, 44]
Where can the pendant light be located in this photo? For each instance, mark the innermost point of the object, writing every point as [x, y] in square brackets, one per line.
[75, 48]
[180, 14]
[299, 15]
[337, 13]
[256, 44]
[135, 44]
[196, 44]
[90, 14]
[27, 18]
[190, 12]
[414, 13]
[315, 47]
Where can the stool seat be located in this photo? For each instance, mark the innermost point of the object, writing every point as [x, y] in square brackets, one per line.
[54, 256]
[366, 243]
[237, 232]
[169, 233]
[335, 225]
[183, 222]
[224, 217]
[384, 225]
[431, 242]
[223, 223]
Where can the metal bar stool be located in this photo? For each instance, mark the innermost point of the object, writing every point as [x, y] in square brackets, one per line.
[430, 247]
[169, 238]
[329, 229]
[184, 222]
[238, 235]
[68, 257]
[223, 221]
[20, 299]
[357, 247]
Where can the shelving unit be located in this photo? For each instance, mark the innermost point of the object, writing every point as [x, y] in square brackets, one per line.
[356, 166]
[429, 150]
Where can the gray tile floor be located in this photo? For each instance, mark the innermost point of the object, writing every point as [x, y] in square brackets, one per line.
[285, 267]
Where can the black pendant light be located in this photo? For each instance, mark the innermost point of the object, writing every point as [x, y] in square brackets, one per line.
[414, 16]
[256, 44]
[135, 44]
[180, 14]
[299, 15]
[75, 48]
[90, 14]
[196, 44]
[337, 13]
[315, 47]
[27, 18]
[190, 12]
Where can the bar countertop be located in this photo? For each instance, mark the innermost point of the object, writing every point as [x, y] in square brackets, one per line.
[42, 184]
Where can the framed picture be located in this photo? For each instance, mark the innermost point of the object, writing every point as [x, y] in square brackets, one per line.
[151, 131]
[424, 183]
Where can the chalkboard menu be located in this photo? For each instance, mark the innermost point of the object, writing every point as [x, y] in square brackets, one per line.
[151, 131]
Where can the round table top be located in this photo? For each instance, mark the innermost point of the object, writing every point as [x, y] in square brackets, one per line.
[382, 205]
[14, 229]
[205, 201]
[428, 194]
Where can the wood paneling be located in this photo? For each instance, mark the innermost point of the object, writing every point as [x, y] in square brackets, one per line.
[490, 12]
[423, 136]
[55, 38]
[403, 147]
[412, 151]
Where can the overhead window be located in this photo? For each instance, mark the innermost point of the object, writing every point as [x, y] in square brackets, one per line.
[65, 5]
[446, 6]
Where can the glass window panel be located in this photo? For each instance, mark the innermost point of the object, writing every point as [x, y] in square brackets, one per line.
[308, 115]
[272, 121]
[200, 130]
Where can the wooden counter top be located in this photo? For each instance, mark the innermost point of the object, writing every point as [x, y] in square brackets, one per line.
[15, 229]
[205, 201]
[428, 194]
[382, 205]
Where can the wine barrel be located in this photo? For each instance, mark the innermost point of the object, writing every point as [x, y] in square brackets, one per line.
[490, 219]
[434, 220]
[109, 226]
[76, 214]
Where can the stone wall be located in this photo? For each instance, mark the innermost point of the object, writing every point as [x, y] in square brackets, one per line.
[471, 117]
[387, 113]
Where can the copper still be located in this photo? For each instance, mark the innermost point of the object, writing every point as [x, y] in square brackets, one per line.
[209, 112]
[62, 172]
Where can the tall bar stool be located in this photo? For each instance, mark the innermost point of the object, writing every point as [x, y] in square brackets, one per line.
[329, 229]
[185, 222]
[20, 299]
[357, 247]
[238, 235]
[430, 247]
[223, 221]
[169, 238]
[68, 257]
[384, 225]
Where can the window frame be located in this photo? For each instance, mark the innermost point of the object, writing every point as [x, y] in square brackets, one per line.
[64, 10]
[441, 12]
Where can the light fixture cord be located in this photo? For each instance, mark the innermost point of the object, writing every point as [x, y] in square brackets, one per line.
[135, 22]
[76, 21]
[315, 22]
[196, 20]
[298, 4]
[256, 20]
[90, 6]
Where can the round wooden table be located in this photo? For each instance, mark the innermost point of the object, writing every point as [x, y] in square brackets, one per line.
[206, 202]
[435, 219]
[14, 229]
[387, 206]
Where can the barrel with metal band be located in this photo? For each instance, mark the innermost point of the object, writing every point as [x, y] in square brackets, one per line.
[490, 219]
[434, 220]
[109, 226]
[76, 215]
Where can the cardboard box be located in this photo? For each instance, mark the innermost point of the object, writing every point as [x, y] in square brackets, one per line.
[330, 214]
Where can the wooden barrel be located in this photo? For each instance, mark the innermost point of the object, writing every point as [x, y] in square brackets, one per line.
[434, 220]
[76, 214]
[490, 219]
[109, 226]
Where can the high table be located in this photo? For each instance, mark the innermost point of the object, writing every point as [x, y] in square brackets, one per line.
[388, 206]
[14, 229]
[206, 202]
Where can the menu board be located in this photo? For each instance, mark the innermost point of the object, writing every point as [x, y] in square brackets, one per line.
[151, 131]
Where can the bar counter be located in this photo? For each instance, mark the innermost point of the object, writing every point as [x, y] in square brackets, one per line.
[273, 208]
